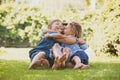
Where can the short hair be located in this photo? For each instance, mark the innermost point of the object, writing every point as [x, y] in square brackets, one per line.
[77, 29]
[56, 20]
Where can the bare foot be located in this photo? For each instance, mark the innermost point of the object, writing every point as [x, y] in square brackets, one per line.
[56, 45]
[64, 57]
[66, 51]
[78, 66]
[40, 63]
[69, 65]
[57, 50]
[85, 67]
[57, 63]
[63, 60]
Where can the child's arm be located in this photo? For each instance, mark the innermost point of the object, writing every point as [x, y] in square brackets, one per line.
[62, 38]
[80, 41]
[44, 31]
[55, 35]
[72, 40]
[67, 40]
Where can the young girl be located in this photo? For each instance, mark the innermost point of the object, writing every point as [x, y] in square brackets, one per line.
[78, 56]
[40, 54]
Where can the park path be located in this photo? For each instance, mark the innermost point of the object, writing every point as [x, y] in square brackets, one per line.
[22, 53]
[15, 54]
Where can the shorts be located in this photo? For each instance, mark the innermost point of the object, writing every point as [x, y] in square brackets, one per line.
[82, 55]
[51, 61]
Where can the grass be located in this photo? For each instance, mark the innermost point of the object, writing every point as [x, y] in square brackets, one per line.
[17, 69]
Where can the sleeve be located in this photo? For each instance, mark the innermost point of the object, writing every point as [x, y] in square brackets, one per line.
[84, 46]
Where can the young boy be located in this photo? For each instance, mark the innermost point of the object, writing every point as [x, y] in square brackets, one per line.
[40, 54]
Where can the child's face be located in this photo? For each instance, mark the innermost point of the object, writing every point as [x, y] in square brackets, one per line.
[68, 30]
[56, 26]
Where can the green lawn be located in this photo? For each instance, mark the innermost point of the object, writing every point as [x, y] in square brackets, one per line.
[15, 67]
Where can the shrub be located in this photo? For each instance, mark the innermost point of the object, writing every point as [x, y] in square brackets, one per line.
[20, 24]
[102, 29]
[111, 20]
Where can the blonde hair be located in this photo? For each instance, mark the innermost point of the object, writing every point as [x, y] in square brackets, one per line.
[50, 24]
[76, 28]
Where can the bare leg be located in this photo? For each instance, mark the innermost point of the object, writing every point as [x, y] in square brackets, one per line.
[64, 58]
[57, 54]
[57, 63]
[77, 61]
[39, 60]
[57, 50]
[60, 58]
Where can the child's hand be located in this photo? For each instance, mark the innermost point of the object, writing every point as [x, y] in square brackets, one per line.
[47, 35]
[45, 30]
[81, 41]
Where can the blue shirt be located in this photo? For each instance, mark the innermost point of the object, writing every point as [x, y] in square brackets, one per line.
[45, 44]
[74, 48]
[83, 46]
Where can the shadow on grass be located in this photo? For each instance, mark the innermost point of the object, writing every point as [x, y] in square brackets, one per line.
[18, 70]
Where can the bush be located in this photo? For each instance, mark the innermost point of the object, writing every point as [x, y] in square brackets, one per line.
[102, 29]
[20, 24]
[111, 21]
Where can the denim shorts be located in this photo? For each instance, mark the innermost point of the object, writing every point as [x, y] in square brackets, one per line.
[82, 55]
[47, 52]
[51, 61]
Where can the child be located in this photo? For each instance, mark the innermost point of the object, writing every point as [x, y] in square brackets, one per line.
[78, 56]
[40, 54]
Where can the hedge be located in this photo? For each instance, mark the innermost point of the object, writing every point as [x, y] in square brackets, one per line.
[20, 25]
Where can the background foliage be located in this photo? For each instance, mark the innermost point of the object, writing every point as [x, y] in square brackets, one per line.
[20, 24]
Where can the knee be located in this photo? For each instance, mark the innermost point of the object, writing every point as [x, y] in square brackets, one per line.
[76, 57]
[42, 54]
